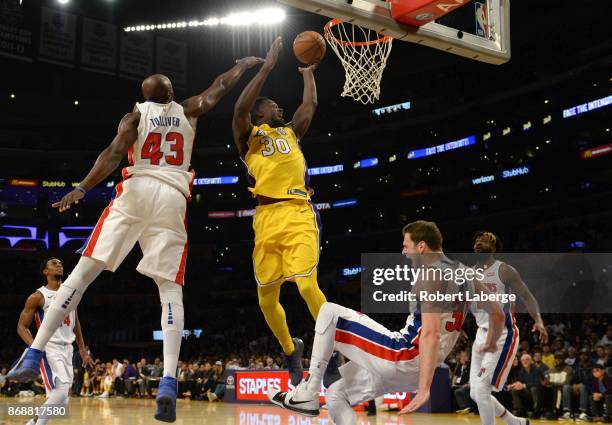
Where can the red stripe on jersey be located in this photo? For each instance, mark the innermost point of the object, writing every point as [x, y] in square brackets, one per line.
[510, 353]
[376, 350]
[37, 317]
[98, 229]
[44, 375]
[180, 275]
[131, 155]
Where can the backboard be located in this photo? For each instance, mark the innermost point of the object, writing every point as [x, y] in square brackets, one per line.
[478, 30]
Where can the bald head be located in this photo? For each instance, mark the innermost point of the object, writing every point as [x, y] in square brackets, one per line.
[157, 88]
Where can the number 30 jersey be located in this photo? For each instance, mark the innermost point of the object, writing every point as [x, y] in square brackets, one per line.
[164, 145]
[275, 163]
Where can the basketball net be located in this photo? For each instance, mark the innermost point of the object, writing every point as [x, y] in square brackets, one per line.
[363, 54]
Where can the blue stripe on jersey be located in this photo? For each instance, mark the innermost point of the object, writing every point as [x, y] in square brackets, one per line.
[370, 334]
[415, 327]
[48, 370]
[507, 342]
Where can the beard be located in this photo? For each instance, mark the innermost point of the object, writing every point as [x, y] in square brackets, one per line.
[277, 122]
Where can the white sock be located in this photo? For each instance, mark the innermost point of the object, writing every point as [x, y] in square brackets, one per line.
[338, 404]
[172, 323]
[58, 396]
[67, 298]
[323, 346]
[503, 413]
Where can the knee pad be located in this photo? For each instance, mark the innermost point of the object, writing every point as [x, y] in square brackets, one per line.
[327, 316]
[173, 314]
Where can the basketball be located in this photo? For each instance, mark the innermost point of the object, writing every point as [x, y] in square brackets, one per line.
[309, 47]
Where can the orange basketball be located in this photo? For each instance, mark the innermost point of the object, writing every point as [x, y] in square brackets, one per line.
[309, 47]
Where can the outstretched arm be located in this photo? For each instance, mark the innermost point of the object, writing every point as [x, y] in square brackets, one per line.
[87, 360]
[512, 278]
[33, 303]
[241, 123]
[107, 162]
[205, 101]
[304, 113]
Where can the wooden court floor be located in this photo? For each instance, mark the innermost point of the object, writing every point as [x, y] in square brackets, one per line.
[139, 412]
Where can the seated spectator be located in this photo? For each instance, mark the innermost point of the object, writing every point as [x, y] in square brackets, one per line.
[548, 358]
[143, 375]
[117, 373]
[601, 356]
[157, 370]
[601, 397]
[185, 380]
[559, 379]
[270, 363]
[3, 381]
[461, 384]
[538, 363]
[219, 376]
[528, 387]
[607, 338]
[581, 386]
[572, 357]
[130, 375]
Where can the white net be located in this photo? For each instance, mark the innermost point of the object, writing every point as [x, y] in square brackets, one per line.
[363, 54]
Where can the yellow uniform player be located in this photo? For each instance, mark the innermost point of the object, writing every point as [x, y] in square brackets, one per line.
[286, 224]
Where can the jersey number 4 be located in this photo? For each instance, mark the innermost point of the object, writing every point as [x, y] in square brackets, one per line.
[152, 145]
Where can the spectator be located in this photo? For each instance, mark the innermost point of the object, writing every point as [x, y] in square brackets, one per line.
[206, 382]
[601, 398]
[107, 382]
[143, 376]
[156, 373]
[607, 338]
[270, 363]
[130, 375]
[219, 376]
[548, 358]
[117, 374]
[38, 386]
[538, 363]
[3, 381]
[601, 357]
[528, 387]
[461, 384]
[559, 379]
[581, 386]
[571, 359]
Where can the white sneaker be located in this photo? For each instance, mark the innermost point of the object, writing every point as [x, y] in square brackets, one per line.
[567, 416]
[583, 417]
[299, 400]
[31, 422]
[103, 395]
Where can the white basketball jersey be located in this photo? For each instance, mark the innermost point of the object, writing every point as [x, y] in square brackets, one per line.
[65, 333]
[494, 284]
[164, 145]
[450, 322]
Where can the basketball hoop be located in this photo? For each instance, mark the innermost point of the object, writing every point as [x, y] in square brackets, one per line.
[363, 54]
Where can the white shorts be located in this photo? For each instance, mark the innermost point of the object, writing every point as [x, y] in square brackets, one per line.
[56, 365]
[381, 361]
[493, 368]
[149, 212]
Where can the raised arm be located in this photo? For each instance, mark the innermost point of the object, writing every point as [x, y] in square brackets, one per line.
[241, 123]
[304, 113]
[87, 360]
[512, 278]
[205, 101]
[107, 162]
[33, 303]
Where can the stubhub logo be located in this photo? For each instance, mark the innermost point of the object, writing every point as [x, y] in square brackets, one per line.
[519, 171]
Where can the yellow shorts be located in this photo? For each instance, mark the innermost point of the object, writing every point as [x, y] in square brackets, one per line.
[286, 241]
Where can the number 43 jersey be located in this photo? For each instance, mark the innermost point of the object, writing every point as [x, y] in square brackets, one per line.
[275, 163]
[164, 145]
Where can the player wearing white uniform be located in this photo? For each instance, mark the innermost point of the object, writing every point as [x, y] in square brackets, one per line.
[149, 207]
[56, 363]
[381, 360]
[489, 371]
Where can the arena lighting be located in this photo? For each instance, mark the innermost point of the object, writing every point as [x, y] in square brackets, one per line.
[63, 1]
[329, 169]
[527, 126]
[344, 203]
[587, 107]
[159, 335]
[486, 136]
[262, 17]
[506, 131]
[393, 158]
[392, 108]
[64, 239]
[420, 153]
[216, 180]
[13, 240]
[547, 119]
[366, 163]
[595, 152]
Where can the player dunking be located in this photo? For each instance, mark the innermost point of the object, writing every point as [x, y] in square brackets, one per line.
[56, 363]
[149, 208]
[489, 371]
[383, 361]
[286, 224]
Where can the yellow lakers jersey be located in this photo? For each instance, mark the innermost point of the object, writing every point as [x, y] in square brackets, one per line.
[275, 163]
